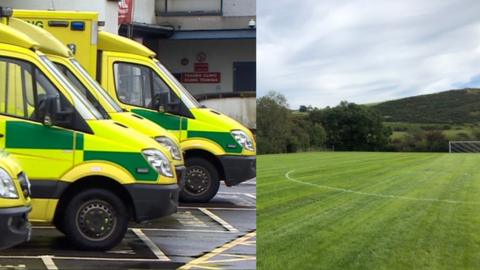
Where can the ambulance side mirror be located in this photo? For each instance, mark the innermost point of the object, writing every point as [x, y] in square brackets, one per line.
[44, 109]
[55, 115]
[173, 108]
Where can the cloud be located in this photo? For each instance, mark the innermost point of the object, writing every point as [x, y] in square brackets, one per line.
[323, 52]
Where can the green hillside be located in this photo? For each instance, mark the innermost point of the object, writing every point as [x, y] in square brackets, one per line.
[454, 106]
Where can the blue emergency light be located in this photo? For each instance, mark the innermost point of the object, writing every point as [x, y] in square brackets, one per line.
[77, 26]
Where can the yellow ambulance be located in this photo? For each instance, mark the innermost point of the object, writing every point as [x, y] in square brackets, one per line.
[93, 92]
[14, 203]
[89, 174]
[216, 146]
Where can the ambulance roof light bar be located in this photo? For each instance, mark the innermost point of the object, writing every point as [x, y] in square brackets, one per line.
[6, 12]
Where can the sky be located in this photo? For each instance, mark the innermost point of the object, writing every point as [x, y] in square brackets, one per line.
[321, 52]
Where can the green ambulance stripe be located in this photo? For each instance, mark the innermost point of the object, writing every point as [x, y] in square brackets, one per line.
[35, 136]
[130, 161]
[79, 141]
[224, 139]
[166, 121]
[169, 122]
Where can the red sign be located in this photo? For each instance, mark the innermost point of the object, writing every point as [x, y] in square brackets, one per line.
[200, 67]
[125, 8]
[205, 77]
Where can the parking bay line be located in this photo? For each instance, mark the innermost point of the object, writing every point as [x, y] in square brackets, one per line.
[81, 258]
[154, 248]
[154, 230]
[199, 262]
[185, 230]
[221, 208]
[253, 196]
[219, 220]
[48, 262]
[236, 193]
[249, 195]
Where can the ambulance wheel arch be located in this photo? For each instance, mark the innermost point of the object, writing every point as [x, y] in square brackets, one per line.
[103, 194]
[99, 168]
[106, 191]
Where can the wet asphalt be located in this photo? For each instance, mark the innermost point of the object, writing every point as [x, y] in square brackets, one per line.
[217, 235]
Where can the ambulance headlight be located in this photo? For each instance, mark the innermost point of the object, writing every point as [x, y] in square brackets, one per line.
[158, 161]
[7, 186]
[243, 139]
[171, 146]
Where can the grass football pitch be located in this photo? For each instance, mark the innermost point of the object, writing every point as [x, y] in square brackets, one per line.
[368, 211]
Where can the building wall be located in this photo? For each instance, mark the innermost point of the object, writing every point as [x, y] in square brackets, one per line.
[206, 22]
[236, 14]
[144, 11]
[221, 54]
[241, 109]
[239, 8]
[108, 10]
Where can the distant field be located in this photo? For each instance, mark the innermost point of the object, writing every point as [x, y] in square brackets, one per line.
[368, 211]
[451, 131]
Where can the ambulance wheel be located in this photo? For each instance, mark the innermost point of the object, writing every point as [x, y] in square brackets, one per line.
[95, 219]
[58, 223]
[201, 181]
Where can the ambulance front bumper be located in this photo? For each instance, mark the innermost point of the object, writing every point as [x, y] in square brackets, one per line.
[14, 226]
[153, 201]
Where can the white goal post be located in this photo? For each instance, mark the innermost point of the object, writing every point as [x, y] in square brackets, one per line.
[464, 146]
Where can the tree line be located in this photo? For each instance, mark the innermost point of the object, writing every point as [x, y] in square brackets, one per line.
[346, 127]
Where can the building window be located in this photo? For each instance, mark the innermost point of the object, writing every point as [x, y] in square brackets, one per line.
[244, 77]
[189, 7]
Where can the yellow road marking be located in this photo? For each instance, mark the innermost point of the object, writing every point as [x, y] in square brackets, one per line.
[243, 258]
[204, 259]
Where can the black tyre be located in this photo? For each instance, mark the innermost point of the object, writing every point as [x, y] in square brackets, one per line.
[201, 181]
[58, 223]
[95, 219]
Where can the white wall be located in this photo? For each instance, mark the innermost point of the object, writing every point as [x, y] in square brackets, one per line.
[241, 109]
[144, 11]
[220, 56]
[108, 10]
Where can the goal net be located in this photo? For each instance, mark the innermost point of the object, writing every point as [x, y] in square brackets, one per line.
[464, 146]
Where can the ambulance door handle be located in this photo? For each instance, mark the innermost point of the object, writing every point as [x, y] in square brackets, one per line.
[1, 135]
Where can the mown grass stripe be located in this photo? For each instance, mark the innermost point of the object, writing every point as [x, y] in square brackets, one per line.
[311, 228]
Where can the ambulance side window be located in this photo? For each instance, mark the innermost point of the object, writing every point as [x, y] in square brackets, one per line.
[24, 89]
[139, 86]
[16, 88]
[82, 89]
[162, 94]
[133, 84]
